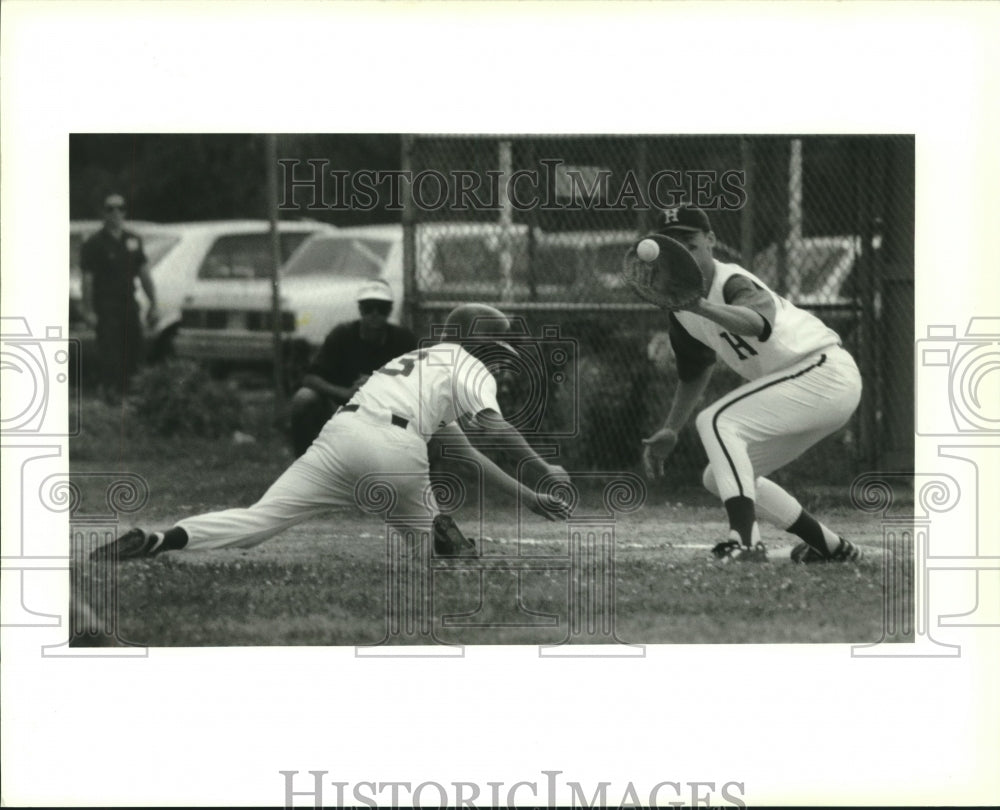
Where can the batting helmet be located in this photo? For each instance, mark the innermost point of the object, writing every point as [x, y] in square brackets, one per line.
[479, 325]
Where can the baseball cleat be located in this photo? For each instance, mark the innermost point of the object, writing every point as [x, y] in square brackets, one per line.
[756, 554]
[733, 551]
[449, 540]
[132, 545]
[725, 549]
[845, 552]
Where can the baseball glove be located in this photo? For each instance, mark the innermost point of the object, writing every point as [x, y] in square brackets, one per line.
[671, 279]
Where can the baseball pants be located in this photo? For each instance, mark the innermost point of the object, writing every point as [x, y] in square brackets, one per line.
[766, 423]
[120, 346]
[358, 460]
[309, 412]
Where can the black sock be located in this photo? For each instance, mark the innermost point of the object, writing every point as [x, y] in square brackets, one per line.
[810, 530]
[175, 538]
[742, 516]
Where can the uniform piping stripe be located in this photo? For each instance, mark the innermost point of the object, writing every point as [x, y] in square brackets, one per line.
[715, 419]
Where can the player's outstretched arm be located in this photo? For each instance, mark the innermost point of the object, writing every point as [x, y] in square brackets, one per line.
[748, 309]
[738, 320]
[501, 432]
[458, 445]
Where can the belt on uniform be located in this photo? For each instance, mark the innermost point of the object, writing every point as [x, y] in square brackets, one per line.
[398, 421]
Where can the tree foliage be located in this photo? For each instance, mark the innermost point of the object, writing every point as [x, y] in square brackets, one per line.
[180, 177]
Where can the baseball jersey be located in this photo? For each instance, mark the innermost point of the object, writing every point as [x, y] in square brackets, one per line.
[430, 388]
[794, 335]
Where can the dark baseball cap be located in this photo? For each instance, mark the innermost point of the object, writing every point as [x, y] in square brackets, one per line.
[683, 218]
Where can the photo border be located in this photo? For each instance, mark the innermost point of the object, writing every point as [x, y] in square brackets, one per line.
[225, 722]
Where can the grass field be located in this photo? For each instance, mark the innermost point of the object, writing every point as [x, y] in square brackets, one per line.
[325, 582]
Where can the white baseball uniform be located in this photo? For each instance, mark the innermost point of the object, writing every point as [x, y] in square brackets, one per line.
[378, 438]
[802, 387]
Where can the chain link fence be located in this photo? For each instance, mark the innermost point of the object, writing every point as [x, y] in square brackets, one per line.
[538, 227]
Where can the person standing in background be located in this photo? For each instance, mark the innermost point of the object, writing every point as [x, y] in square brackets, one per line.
[111, 260]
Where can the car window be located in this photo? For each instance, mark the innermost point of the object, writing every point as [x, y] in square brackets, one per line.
[565, 264]
[246, 255]
[345, 257]
[463, 259]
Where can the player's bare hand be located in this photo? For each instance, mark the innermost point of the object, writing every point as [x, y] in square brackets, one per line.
[657, 449]
[152, 317]
[550, 507]
[361, 380]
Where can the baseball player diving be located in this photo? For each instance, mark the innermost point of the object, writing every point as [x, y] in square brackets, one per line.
[801, 386]
[382, 434]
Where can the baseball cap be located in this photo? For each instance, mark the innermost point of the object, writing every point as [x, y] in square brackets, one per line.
[376, 290]
[114, 200]
[683, 218]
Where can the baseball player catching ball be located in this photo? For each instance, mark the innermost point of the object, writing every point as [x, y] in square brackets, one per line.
[383, 432]
[802, 386]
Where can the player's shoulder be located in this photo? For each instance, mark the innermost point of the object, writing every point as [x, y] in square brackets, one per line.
[732, 278]
[727, 270]
[455, 356]
[453, 352]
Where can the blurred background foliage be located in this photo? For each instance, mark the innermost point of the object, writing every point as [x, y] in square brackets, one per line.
[184, 178]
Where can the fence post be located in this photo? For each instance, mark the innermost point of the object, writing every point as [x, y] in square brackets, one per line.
[868, 345]
[877, 336]
[747, 212]
[505, 163]
[410, 304]
[895, 264]
[530, 218]
[781, 237]
[793, 270]
[276, 332]
[643, 215]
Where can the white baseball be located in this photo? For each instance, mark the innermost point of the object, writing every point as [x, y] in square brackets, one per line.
[647, 250]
